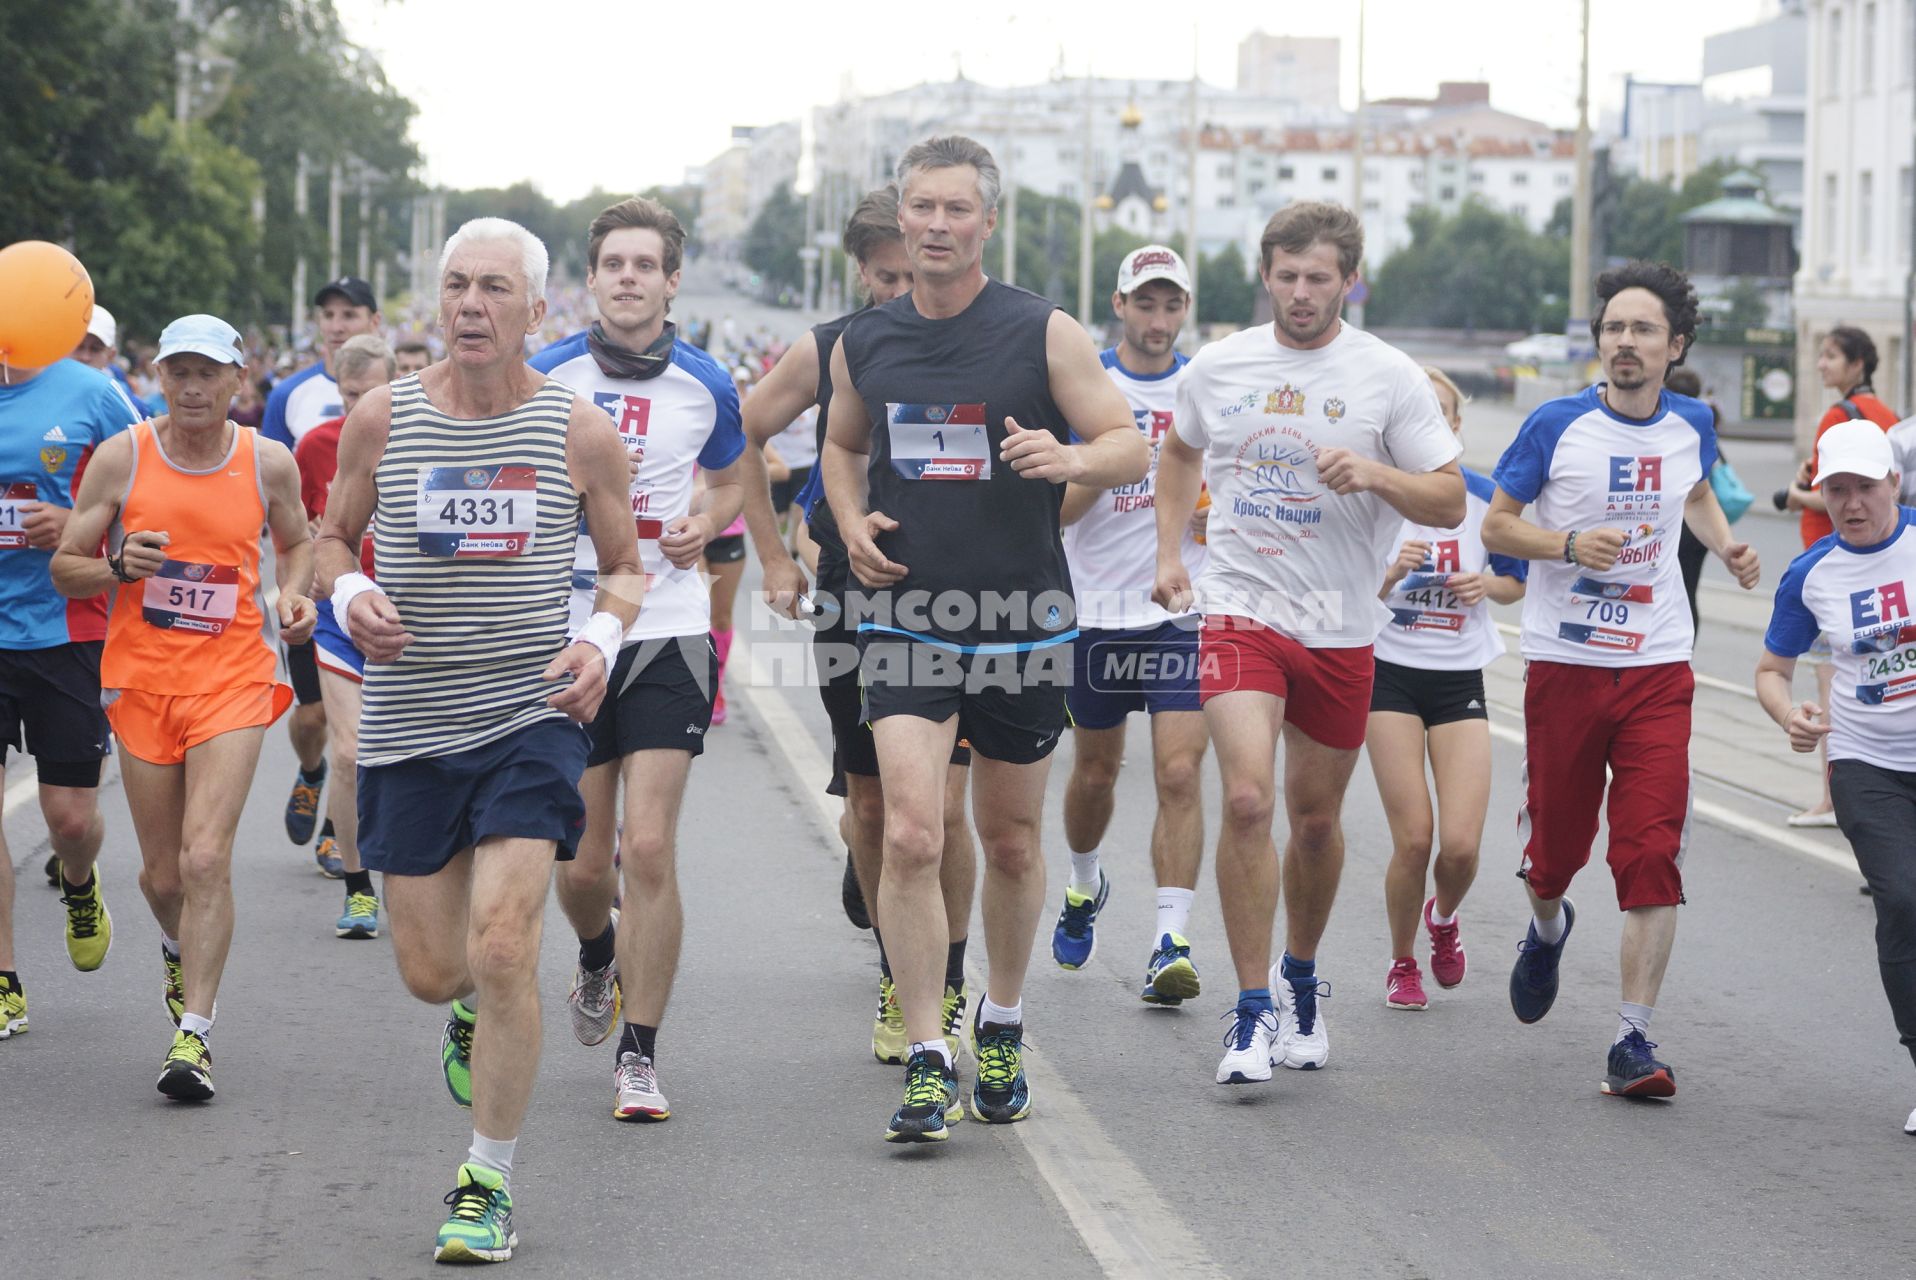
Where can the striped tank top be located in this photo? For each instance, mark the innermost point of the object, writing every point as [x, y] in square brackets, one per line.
[473, 530]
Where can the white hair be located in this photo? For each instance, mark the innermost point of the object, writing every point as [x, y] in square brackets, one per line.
[532, 250]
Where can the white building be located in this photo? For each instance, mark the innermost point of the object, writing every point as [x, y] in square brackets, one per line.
[1754, 96]
[1301, 68]
[1659, 135]
[740, 179]
[1860, 200]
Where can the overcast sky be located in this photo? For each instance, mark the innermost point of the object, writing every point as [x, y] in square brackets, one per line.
[574, 94]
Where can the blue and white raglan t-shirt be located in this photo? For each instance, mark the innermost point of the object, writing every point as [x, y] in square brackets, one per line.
[1430, 628]
[1859, 597]
[299, 403]
[1583, 466]
[684, 417]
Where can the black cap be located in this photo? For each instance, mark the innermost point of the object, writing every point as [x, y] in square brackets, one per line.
[351, 288]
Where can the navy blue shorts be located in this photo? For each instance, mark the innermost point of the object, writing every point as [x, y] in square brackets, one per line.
[416, 815]
[1117, 672]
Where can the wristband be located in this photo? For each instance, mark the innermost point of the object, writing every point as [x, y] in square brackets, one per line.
[603, 631]
[348, 587]
[1570, 547]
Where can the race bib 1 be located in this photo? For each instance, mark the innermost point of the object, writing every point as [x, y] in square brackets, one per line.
[939, 441]
[184, 596]
[474, 513]
[13, 533]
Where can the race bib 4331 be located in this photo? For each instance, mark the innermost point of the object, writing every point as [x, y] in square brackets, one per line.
[939, 441]
[470, 513]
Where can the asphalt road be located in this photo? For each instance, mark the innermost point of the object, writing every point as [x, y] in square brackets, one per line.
[1450, 1143]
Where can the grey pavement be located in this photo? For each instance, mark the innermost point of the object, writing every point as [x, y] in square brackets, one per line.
[1450, 1143]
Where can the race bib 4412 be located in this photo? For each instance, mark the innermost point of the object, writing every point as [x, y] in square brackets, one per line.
[468, 513]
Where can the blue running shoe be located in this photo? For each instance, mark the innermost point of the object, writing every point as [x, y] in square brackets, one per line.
[1533, 982]
[931, 1103]
[1170, 978]
[1635, 1071]
[999, 1095]
[1076, 937]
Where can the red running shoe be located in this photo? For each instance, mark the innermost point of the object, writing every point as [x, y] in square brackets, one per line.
[1404, 986]
[1446, 952]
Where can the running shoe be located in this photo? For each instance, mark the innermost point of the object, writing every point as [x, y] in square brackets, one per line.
[852, 896]
[1404, 985]
[326, 857]
[13, 1009]
[361, 919]
[480, 1228]
[1170, 978]
[1303, 1041]
[89, 926]
[1635, 1071]
[1446, 950]
[596, 999]
[999, 1095]
[175, 991]
[1250, 1046]
[931, 1103]
[455, 1053]
[188, 1073]
[889, 1041]
[1533, 981]
[1909, 1125]
[953, 1019]
[53, 870]
[1076, 938]
[637, 1081]
[718, 708]
[302, 806]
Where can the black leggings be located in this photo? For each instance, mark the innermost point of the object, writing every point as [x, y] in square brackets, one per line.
[1876, 808]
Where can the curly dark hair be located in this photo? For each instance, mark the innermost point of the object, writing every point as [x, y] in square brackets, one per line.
[1856, 347]
[1662, 279]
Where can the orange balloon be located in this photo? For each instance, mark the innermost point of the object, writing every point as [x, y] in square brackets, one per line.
[46, 299]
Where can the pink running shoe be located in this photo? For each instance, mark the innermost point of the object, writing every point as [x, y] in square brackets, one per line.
[1446, 952]
[1404, 987]
[718, 708]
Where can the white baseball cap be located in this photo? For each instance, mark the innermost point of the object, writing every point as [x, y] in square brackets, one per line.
[1152, 262]
[103, 326]
[202, 335]
[1858, 448]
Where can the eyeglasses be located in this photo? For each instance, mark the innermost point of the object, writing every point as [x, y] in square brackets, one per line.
[1637, 329]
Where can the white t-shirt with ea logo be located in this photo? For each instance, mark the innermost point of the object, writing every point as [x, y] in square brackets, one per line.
[1429, 627]
[1284, 550]
[1585, 467]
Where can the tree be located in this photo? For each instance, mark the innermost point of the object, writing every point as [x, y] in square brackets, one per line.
[773, 241]
[1227, 292]
[1475, 269]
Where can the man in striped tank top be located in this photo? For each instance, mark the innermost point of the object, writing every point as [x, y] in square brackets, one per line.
[188, 675]
[478, 470]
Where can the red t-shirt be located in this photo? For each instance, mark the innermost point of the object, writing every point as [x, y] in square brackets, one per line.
[1815, 525]
[318, 457]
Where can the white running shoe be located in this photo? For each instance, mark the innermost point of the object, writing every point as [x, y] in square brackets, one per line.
[1299, 1046]
[595, 1000]
[1909, 1125]
[638, 1085]
[1249, 1046]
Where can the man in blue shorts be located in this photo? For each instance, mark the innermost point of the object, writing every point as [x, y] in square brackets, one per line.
[1132, 654]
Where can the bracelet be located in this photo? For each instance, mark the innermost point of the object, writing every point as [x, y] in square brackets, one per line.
[1570, 548]
[604, 632]
[117, 564]
[348, 587]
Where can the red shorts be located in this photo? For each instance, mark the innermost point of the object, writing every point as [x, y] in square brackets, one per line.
[1634, 721]
[161, 728]
[1326, 692]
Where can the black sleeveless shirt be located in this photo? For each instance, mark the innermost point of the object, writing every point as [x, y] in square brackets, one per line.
[985, 564]
[821, 524]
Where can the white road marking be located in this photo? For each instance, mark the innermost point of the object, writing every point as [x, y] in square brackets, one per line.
[21, 789]
[1117, 1213]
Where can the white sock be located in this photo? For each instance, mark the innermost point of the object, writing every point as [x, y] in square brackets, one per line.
[494, 1154]
[1174, 909]
[1552, 930]
[1084, 872]
[1633, 1017]
[1441, 921]
[1012, 1017]
[201, 1027]
[937, 1048]
[169, 945]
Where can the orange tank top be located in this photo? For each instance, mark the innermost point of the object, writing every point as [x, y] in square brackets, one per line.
[197, 625]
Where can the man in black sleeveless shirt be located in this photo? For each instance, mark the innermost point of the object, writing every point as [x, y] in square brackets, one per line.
[949, 443]
[801, 379]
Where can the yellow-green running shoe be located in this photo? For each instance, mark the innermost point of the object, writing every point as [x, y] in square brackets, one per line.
[175, 986]
[89, 926]
[931, 1103]
[480, 1228]
[455, 1053]
[361, 919]
[954, 1018]
[889, 1041]
[188, 1073]
[13, 1009]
